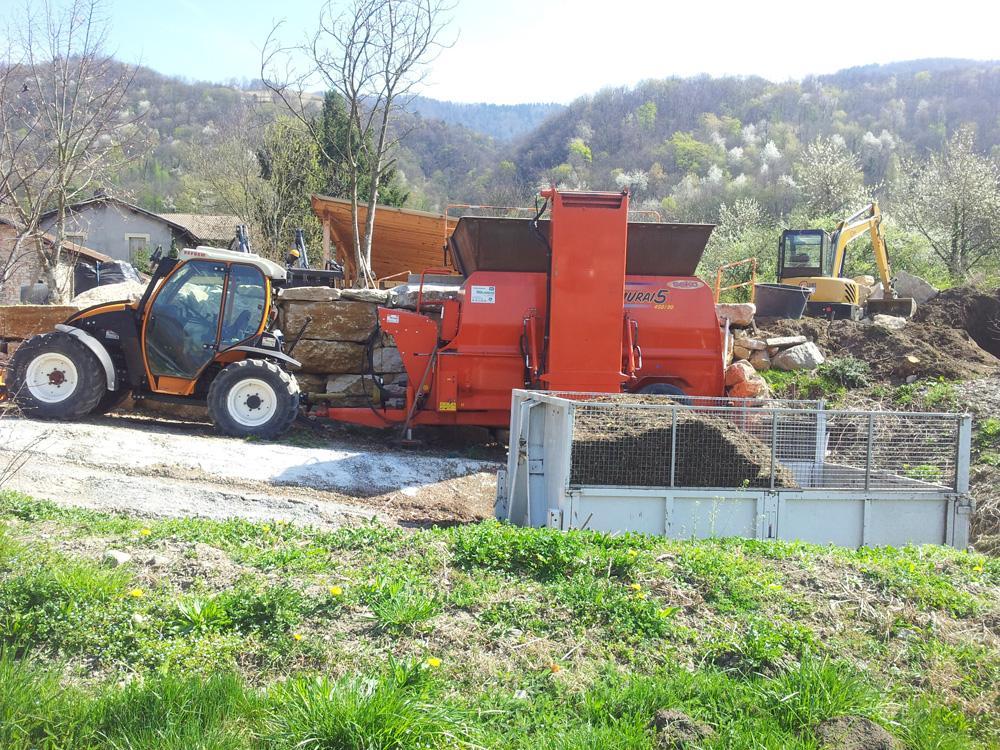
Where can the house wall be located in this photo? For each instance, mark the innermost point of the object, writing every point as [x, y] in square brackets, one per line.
[27, 269]
[105, 227]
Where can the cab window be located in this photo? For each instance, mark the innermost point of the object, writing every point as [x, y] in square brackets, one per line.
[802, 254]
[246, 302]
[183, 324]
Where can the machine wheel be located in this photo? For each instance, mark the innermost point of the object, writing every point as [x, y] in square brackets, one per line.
[110, 401]
[253, 397]
[666, 389]
[55, 376]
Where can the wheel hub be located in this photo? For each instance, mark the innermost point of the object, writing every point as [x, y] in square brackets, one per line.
[51, 377]
[252, 402]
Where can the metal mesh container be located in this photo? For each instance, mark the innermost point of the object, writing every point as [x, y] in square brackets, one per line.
[775, 464]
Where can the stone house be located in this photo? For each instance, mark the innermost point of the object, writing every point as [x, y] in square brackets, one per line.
[126, 232]
[26, 268]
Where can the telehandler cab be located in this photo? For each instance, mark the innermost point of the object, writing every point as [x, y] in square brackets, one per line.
[198, 335]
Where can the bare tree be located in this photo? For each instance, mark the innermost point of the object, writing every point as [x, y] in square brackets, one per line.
[262, 170]
[66, 125]
[953, 200]
[373, 53]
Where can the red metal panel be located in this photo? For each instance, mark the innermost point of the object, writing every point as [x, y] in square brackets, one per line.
[589, 237]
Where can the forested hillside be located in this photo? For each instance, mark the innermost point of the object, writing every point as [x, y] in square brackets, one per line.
[746, 152]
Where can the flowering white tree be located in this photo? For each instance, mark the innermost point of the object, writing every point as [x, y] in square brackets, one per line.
[830, 177]
[953, 200]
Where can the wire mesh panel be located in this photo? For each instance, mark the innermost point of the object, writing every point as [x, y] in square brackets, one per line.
[643, 441]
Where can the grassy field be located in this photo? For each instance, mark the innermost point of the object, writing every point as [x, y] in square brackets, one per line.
[226, 635]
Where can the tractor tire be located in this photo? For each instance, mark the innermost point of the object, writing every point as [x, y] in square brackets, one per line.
[55, 376]
[253, 398]
[666, 389]
[110, 401]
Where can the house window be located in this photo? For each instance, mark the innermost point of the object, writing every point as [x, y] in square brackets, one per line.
[138, 245]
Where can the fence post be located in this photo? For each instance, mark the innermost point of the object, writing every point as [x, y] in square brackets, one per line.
[868, 454]
[673, 444]
[963, 448]
[774, 444]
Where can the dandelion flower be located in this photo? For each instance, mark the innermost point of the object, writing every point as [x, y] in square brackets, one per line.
[635, 586]
[145, 532]
[136, 593]
[978, 567]
[266, 529]
[640, 595]
[297, 636]
[433, 662]
[553, 668]
[336, 591]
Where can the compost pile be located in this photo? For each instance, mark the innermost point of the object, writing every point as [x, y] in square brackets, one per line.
[970, 309]
[921, 349]
[616, 445]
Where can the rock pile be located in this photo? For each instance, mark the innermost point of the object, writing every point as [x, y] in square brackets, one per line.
[341, 345]
[749, 352]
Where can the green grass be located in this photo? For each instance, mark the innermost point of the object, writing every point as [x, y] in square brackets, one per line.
[482, 635]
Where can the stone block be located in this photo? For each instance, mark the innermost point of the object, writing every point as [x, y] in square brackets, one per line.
[338, 320]
[330, 357]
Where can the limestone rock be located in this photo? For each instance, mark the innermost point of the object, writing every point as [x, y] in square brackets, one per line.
[330, 357]
[405, 295]
[738, 314]
[802, 357]
[338, 320]
[909, 285]
[740, 352]
[891, 322]
[387, 359]
[760, 360]
[373, 296]
[115, 557]
[310, 382]
[739, 372]
[751, 343]
[783, 342]
[309, 294]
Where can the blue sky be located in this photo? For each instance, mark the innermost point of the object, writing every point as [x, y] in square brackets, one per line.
[511, 51]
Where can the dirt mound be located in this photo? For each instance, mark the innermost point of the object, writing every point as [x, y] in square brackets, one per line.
[854, 733]
[974, 311]
[676, 730]
[921, 349]
[633, 448]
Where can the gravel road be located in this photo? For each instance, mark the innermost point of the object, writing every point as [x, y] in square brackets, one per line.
[162, 468]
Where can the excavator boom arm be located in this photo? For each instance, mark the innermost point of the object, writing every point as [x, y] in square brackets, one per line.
[867, 220]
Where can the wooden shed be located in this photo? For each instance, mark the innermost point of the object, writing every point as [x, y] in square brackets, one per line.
[405, 241]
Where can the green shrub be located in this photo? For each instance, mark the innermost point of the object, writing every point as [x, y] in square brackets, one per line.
[848, 372]
[399, 607]
[393, 711]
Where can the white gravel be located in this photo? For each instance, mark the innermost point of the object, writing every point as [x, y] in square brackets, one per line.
[179, 469]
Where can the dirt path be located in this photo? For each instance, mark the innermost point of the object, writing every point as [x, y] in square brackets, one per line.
[163, 468]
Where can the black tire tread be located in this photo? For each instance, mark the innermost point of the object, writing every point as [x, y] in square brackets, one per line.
[285, 386]
[91, 388]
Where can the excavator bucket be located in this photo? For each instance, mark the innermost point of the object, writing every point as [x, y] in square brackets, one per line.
[900, 307]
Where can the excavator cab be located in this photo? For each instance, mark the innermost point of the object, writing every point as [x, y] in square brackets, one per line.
[816, 260]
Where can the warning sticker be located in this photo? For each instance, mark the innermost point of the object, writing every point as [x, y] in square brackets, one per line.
[484, 295]
[391, 318]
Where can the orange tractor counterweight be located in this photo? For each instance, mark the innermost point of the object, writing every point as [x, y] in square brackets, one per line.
[584, 301]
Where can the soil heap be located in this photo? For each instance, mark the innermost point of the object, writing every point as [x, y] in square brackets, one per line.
[633, 447]
[928, 349]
